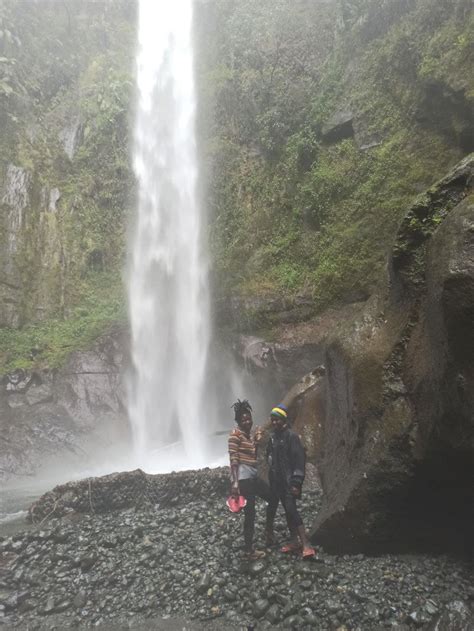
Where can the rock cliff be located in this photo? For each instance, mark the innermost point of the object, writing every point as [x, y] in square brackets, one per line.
[390, 422]
[51, 415]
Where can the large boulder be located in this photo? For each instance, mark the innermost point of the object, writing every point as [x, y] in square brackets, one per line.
[396, 444]
[277, 365]
[339, 126]
[47, 415]
[129, 489]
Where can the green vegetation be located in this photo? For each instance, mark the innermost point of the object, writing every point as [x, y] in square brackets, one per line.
[76, 83]
[295, 213]
[48, 343]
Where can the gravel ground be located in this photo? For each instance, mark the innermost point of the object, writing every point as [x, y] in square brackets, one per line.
[181, 567]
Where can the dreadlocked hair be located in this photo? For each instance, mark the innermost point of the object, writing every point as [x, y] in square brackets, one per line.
[240, 408]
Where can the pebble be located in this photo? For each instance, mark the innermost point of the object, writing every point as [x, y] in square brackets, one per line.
[260, 607]
[120, 565]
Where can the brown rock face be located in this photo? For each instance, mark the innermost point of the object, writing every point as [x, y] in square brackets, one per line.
[64, 413]
[396, 444]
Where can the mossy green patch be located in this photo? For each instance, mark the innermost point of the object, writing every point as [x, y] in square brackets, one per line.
[49, 343]
[77, 84]
[307, 216]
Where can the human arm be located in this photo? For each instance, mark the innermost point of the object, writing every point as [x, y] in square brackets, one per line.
[297, 460]
[234, 443]
[258, 436]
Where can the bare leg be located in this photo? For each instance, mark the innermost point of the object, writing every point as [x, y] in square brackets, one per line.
[308, 550]
[303, 537]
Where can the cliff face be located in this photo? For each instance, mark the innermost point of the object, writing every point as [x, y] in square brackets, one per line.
[319, 122]
[309, 209]
[65, 180]
[388, 421]
[67, 415]
[329, 119]
[65, 192]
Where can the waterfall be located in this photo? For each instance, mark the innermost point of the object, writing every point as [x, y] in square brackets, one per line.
[168, 277]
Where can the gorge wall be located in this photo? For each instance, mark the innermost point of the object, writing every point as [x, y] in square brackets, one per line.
[65, 193]
[328, 119]
[65, 177]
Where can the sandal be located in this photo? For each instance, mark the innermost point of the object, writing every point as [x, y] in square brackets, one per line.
[290, 547]
[308, 553]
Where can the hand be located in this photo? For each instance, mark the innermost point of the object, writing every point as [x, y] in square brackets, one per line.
[258, 434]
[295, 491]
[235, 491]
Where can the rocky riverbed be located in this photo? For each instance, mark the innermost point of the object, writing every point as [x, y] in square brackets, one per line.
[166, 554]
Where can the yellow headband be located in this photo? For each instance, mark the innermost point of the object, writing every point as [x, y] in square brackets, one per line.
[279, 412]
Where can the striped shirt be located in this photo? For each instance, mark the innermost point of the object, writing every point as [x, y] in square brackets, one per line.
[243, 452]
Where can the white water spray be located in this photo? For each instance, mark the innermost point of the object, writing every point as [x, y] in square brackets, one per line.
[167, 281]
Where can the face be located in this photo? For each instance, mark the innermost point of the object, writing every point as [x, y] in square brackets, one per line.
[278, 423]
[246, 422]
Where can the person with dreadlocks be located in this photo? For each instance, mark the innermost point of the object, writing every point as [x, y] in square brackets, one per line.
[244, 478]
[286, 460]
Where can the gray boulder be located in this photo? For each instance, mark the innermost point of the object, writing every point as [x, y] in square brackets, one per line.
[339, 126]
[47, 415]
[396, 442]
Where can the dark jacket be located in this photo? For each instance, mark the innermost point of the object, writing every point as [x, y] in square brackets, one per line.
[286, 459]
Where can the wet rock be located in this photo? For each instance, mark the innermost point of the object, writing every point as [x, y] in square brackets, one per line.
[257, 567]
[400, 391]
[339, 126]
[456, 617]
[15, 599]
[333, 605]
[71, 136]
[109, 542]
[289, 609]
[39, 394]
[64, 605]
[419, 617]
[60, 536]
[293, 622]
[46, 412]
[204, 583]
[372, 612]
[273, 614]
[87, 562]
[49, 606]
[311, 621]
[260, 607]
[80, 599]
[54, 197]
[230, 595]
[124, 490]
[129, 581]
[431, 607]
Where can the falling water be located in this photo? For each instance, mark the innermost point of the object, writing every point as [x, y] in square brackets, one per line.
[167, 281]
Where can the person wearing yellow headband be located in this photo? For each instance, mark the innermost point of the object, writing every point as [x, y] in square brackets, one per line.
[286, 460]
